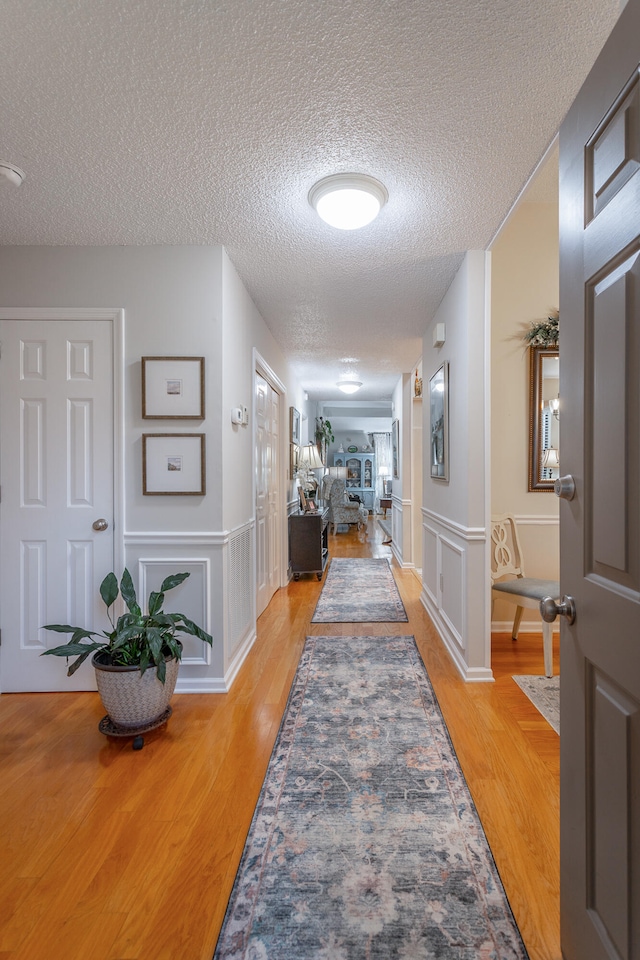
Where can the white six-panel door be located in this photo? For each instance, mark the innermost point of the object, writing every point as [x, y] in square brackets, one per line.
[57, 481]
[267, 413]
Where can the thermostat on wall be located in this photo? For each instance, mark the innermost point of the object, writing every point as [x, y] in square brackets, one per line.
[236, 415]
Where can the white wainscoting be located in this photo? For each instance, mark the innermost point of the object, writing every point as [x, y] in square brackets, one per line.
[401, 513]
[396, 528]
[219, 595]
[240, 594]
[454, 591]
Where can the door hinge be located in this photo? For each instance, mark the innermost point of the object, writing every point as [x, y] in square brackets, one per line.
[0, 638]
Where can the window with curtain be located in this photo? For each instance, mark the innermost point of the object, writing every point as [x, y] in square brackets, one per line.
[382, 450]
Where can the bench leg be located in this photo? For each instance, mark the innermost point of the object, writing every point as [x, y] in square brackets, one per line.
[516, 622]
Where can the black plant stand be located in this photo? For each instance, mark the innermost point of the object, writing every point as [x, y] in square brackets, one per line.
[110, 729]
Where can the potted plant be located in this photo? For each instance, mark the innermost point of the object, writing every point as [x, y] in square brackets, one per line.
[133, 695]
[324, 436]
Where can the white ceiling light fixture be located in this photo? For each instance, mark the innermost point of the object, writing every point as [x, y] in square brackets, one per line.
[12, 173]
[348, 201]
[349, 386]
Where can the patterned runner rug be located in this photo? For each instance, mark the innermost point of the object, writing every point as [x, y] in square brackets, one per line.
[365, 842]
[544, 693]
[359, 591]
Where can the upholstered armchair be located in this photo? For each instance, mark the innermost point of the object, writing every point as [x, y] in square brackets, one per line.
[341, 509]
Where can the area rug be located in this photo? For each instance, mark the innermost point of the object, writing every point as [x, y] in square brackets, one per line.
[365, 843]
[359, 591]
[544, 693]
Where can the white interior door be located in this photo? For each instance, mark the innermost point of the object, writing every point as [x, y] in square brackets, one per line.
[57, 482]
[267, 407]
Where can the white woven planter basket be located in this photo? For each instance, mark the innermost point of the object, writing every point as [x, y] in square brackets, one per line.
[132, 700]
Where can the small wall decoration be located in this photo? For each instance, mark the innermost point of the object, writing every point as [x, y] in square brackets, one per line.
[395, 445]
[173, 388]
[439, 423]
[173, 464]
[417, 386]
[544, 333]
[294, 425]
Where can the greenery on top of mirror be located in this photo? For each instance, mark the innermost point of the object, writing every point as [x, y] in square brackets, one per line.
[543, 333]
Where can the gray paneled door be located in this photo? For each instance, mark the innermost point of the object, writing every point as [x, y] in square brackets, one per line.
[600, 526]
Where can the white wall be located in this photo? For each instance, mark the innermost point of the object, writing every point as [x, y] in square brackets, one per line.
[417, 427]
[454, 513]
[244, 329]
[524, 288]
[178, 301]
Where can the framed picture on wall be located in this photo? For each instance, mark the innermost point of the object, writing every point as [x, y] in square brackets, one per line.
[395, 444]
[294, 425]
[173, 388]
[439, 423]
[173, 464]
[293, 460]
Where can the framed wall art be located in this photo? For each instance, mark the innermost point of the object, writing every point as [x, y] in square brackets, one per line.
[173, 464]
[293, 459]
[294, 425]
[395, 449]
[439, 423]
[173, 388]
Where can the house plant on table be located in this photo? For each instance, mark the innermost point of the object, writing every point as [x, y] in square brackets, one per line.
[135, 696]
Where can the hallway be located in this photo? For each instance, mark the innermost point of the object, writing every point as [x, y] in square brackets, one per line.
[116, 854]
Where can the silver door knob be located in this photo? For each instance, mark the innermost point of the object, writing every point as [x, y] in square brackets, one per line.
[565, 487]
[100, 524]
[549, 609]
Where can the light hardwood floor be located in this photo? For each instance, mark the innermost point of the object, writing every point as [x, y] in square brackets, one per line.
[111, 854]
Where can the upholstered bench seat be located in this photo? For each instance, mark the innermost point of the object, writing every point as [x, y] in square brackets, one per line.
[530, 587]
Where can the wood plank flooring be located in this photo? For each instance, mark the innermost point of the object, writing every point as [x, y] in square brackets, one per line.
[111, 854]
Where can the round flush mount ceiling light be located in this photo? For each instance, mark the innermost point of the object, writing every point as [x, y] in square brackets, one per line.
[349, 386]
[348, 201]
[12, 173]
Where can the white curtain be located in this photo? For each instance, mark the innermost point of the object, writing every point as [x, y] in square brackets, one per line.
[382, 450]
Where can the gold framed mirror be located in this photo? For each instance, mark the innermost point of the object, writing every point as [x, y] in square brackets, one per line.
[544, 418]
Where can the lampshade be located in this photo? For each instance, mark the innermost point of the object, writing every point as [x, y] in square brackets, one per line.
[310, 457]
[349, 386]
[550, 459]
[348, 201]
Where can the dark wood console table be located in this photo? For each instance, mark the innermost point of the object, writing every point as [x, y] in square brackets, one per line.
[308, 543]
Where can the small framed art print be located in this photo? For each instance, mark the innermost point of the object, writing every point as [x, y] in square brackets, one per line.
[395, 449]
[294, 425]
[173, 388]
[173, 464]
[439, 423]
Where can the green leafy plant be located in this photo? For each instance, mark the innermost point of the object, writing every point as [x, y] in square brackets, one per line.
[324, 431]
[137, 639]
[543, 333]
[324, 436]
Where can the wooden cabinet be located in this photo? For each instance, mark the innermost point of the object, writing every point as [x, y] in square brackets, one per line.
[308, 543]
[360, 475]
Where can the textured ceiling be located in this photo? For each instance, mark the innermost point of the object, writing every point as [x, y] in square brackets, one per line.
[207, 121]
